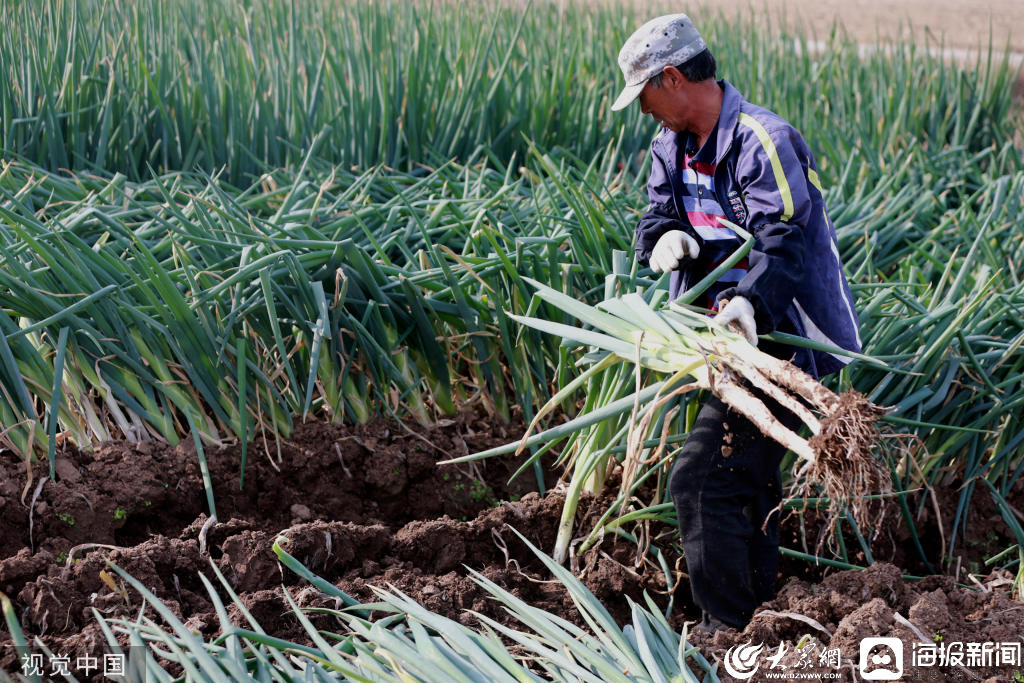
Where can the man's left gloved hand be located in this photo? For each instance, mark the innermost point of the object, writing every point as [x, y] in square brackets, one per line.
[739, 310]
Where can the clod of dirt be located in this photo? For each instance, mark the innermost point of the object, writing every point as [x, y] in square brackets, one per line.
[930, 612]
[431, 545]
[874, 616]
[23, 567]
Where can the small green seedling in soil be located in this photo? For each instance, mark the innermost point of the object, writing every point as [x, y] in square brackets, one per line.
[66, 517]
[120, 513]
[480, 492]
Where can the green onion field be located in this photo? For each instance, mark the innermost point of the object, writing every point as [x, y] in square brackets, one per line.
[300, 372]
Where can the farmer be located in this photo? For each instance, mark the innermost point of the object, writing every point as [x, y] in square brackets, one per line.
[718, 156]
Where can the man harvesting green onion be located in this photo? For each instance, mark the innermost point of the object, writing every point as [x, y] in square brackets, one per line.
[720, 157]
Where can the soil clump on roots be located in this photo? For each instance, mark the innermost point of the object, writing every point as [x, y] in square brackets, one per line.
[366, 506]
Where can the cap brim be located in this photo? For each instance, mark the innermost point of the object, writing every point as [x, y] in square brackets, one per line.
[628, 94]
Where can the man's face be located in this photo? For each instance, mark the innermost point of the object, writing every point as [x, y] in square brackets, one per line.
[664, 104]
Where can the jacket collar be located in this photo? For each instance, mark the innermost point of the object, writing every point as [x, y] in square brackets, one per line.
[728, 119]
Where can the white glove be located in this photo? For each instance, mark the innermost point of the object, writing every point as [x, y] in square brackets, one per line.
[671, 248]
[740, 312]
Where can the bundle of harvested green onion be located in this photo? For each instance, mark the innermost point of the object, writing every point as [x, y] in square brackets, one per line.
[838, 459]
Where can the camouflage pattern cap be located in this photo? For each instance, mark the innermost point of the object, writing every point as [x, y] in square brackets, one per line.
[669, 40]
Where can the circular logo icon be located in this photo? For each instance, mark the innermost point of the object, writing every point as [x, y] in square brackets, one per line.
[881, 659]
[741, 660]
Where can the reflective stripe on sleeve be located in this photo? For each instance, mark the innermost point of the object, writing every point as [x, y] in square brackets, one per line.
[773, 156]
[812, 175]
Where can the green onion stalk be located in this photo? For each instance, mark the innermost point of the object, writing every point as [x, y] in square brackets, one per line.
[354, 392]
[590, 449]
[406, 379]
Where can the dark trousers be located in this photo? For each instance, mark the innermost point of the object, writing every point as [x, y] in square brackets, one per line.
[725, 482]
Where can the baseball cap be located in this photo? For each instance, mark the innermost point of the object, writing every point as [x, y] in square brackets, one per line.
[668, 40]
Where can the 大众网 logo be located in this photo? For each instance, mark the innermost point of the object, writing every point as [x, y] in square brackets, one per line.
[741, 660]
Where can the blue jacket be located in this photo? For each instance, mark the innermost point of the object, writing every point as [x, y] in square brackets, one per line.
[766, 181]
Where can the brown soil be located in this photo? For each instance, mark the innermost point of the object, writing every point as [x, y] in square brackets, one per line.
[360, 506]
[368, 506]
[852, 605]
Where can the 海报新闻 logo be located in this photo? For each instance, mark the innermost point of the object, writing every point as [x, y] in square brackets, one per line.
[881, 659]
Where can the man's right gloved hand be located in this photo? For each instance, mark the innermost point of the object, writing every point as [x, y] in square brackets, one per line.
[670, 249]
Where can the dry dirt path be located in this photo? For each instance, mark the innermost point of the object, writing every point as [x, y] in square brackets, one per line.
[963, 29]
[965, 26]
